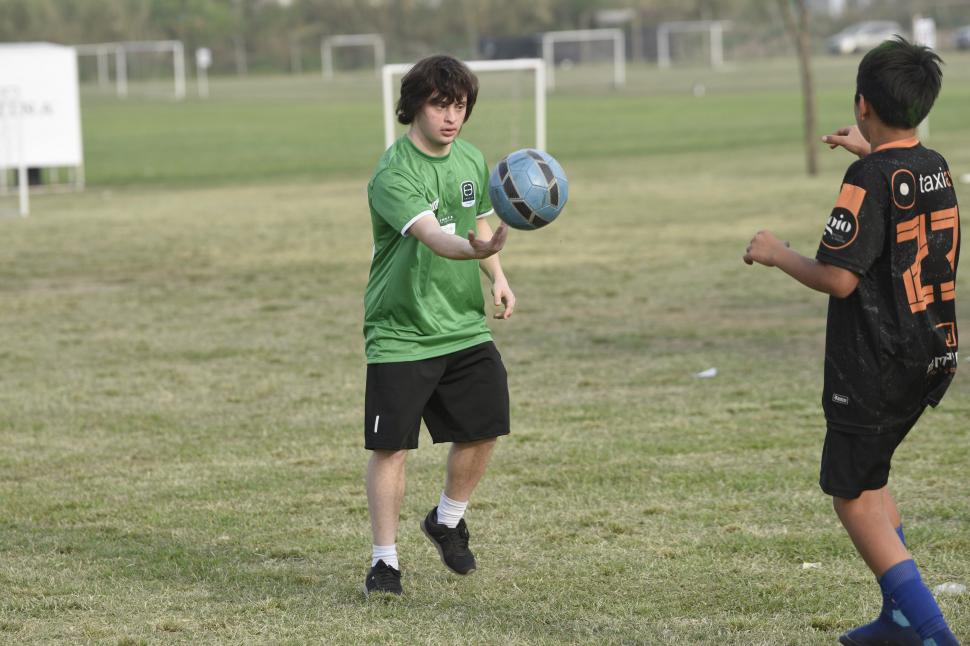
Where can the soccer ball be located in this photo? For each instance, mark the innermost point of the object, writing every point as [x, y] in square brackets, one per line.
[528, 189]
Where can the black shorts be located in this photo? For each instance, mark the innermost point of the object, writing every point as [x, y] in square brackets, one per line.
[462, 396]
[857, 462]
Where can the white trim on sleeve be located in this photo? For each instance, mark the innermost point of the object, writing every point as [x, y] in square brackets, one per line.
[485, 214]
[404, 229]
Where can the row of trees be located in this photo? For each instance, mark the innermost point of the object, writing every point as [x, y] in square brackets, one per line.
[281, 35]
[284, 35]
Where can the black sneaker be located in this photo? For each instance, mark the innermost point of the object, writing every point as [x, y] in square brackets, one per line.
[383, 579]
[451, 543]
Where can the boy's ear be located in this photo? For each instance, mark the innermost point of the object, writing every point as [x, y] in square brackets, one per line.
[865, 110]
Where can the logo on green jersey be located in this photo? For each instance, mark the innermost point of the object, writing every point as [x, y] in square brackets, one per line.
[467, 194]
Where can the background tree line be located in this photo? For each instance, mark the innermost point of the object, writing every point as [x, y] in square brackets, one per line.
[270, 35]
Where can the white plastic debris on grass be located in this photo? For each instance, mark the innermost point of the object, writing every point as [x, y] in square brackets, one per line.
[811, 566]
[706, 374]
[965, 178]
[950, 587]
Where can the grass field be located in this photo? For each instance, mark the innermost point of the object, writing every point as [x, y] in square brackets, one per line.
[182, 385]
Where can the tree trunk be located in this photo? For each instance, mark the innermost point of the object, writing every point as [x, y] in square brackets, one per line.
[471, 23]
[239, 52]
[800, 30]
[239, 38]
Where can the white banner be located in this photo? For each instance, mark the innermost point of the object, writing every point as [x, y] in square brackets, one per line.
[44, 77]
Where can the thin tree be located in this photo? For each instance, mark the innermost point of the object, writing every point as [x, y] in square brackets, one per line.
[241, 16]
[798, 24]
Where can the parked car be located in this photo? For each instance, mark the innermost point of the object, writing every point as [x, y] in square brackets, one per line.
[963, 37]
[863, 36]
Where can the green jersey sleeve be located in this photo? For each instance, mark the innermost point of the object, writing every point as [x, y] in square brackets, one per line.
[398, 200]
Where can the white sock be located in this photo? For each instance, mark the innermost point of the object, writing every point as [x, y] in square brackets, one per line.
[386, 553]
[450, 511]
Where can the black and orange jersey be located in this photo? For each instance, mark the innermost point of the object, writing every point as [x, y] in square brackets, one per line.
[891, 346]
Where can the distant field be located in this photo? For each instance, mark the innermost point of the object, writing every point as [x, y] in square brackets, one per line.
[301, 128]
[182, 383]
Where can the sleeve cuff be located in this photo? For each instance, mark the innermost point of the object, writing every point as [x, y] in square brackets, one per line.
[406, 227]
[840, 262]
[485, 214]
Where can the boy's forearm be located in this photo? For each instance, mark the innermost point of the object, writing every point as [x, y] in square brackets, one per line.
[814, 274]
[450, 246]
[476, 247]
[492, 268]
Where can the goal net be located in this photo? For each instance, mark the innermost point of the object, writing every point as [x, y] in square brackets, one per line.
[153, 69]
[354, 51]
[692, 41]
[584, 56]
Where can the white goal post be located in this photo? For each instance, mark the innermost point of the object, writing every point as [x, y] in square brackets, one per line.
[120, 52]
[12, 147]
[351, 40]
[550, 38]
[714, 28]
[536, 65]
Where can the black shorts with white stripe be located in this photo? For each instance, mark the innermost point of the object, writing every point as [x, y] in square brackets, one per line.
[462, 397]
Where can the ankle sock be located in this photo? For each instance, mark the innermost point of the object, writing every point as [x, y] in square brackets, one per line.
[386, 553]
[450, 511]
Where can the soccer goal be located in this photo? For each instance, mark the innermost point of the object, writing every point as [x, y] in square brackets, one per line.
[501, 98]
[584, 37]
[376, 41]
[144, 62]
[713, 28]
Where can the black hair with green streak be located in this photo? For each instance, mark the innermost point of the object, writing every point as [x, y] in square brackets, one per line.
[901, 81]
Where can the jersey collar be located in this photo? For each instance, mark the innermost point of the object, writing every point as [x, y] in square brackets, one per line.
[424, 155]
[909, 142]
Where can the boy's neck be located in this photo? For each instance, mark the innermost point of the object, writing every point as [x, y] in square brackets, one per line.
[883, 137]
[427, 146]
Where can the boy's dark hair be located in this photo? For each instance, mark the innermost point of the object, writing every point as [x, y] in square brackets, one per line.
[900, 80]
[440, 78]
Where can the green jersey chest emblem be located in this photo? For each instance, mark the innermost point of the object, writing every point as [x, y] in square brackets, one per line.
[467, 194]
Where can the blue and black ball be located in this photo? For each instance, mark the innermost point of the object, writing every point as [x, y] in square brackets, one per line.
[528, 189]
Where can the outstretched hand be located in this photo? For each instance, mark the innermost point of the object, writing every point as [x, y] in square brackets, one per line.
[486, 248]
[849, 138]
[763, 249]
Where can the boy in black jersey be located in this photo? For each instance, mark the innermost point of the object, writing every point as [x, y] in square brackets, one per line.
[888, 258]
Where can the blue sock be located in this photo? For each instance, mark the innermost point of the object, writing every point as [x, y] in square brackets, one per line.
[887, 603]
[890, 627]
[903, 584]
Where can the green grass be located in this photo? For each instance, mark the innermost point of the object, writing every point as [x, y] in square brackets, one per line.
[182, 383]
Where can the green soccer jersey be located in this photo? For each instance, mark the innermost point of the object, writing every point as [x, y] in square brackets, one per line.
[417, 304]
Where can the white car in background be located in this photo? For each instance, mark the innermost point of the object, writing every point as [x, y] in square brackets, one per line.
[863, 36]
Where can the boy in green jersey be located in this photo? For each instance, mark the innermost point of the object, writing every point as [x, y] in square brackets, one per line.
[429, 351]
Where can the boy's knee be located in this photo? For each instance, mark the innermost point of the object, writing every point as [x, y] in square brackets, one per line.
[864, 504]
[390, 455]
